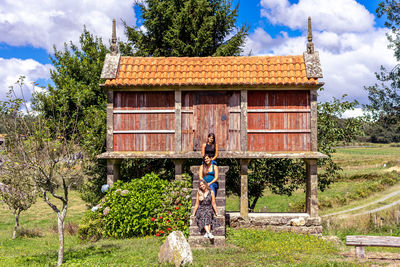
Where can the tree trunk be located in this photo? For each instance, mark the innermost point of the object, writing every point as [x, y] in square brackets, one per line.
[60, 238]
[253, 204]
[16, 214]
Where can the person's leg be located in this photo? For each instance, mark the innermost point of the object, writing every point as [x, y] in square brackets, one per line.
[214, 187]
[207, 229]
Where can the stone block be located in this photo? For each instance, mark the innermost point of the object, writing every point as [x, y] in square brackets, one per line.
[175, 250]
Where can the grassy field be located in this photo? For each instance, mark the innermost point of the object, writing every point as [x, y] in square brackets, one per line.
[354, 161]
[244, 247]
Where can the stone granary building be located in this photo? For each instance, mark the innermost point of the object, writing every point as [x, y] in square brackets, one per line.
[257, 106]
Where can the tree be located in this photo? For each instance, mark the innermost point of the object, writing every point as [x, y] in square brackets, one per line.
[384, 96]
[16, 185]
[16, 190]
[283, 176]
[77, 99]
[186, 28]
[48, 151]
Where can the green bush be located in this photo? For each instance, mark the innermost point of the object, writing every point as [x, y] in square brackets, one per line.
[141, 207]
[91, 227]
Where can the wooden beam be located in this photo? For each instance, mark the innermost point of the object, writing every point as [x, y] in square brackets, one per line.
[279, 131]
[270, 110]
[178, 120]
[372, 241]
[243, 120]
[144, 131]
[144, 111]
[221, 154]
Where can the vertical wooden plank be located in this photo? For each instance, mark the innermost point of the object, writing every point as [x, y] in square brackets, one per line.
[314, 117]
[243, 120]
[110, 121]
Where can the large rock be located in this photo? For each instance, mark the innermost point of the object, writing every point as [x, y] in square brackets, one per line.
[175, 250]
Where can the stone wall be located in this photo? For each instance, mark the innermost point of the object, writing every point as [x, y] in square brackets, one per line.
[293, 222]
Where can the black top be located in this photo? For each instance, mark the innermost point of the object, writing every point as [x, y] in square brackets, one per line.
[210, 150]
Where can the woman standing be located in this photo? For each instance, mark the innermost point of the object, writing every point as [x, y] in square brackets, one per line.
[209, 172]
[203, 210]
[210, 148]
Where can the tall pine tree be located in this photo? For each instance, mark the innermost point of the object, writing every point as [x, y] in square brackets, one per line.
[186, 28]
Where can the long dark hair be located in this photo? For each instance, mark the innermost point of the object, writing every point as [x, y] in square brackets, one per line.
[213, 143]
[205, 167]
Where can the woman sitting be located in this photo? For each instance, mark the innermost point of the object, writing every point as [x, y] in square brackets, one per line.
[209, 172]
[203, 210]
[210, 148]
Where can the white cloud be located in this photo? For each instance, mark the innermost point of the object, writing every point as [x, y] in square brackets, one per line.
[45, 23]
[349, 56]
[357, 112]
[12, 69]
[331, 15]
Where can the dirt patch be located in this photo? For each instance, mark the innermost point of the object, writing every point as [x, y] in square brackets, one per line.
[388, 259]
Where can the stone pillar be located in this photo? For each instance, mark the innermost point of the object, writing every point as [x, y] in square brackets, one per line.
[311, 188]
[113, 171]
[178, 168]
[244, 198]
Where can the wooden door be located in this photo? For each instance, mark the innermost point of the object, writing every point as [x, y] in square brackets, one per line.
[210, 116]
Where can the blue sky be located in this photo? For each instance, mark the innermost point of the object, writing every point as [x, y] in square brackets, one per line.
[350, 38]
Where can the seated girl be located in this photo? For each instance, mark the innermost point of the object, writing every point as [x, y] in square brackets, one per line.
[209, 172]
[210, 148]
[203, 210]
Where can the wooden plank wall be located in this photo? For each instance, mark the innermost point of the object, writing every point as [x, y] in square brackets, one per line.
[144, 121]
[278, 120]
[211, 111]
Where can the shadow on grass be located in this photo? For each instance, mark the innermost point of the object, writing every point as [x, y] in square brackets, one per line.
[74, 255]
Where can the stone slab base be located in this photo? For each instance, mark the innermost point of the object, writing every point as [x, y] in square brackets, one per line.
[200, 241]
[292, 222]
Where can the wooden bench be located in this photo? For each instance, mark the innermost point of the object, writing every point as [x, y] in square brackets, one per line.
[362, 241]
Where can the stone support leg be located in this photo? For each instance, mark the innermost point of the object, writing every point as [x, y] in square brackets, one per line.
[113, 171]
[244, 194]
[178, 168]
[312, 188]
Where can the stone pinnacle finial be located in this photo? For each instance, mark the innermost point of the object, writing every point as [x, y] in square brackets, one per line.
[310, 44]
[113, 47]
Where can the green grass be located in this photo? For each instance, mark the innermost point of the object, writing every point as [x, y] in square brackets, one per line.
[244, 247]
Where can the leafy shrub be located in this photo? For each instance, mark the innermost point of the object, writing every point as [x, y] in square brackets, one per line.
[174, 213]
[91, 227]
[145, 206]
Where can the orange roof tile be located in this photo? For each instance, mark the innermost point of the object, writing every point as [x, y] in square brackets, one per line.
[211, 71]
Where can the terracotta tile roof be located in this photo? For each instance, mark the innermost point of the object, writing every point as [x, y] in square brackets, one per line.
[211, 71]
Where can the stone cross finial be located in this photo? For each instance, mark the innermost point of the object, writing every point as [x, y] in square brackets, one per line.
[310, 44]
[113, 47]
